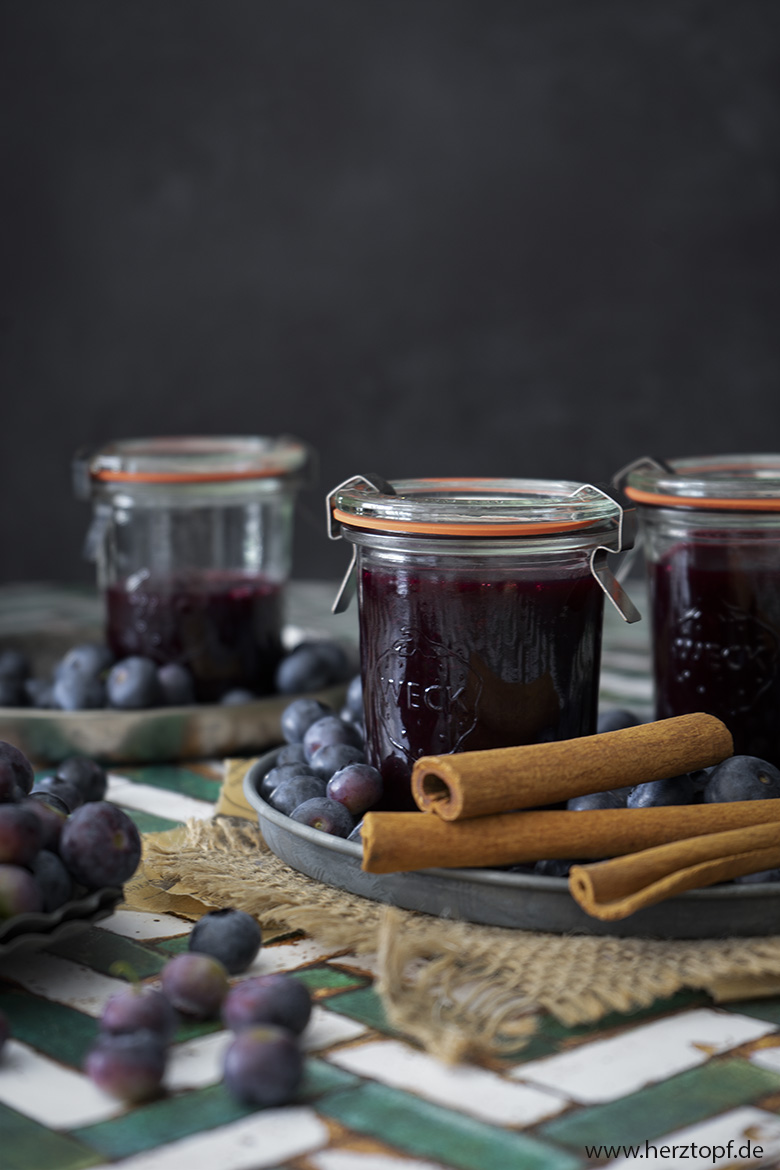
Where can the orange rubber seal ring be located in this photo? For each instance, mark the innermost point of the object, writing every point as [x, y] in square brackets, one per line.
[732, 505]
[183, 476]
[454, 529]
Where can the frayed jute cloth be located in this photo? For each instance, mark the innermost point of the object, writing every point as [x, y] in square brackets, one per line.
[456, 988]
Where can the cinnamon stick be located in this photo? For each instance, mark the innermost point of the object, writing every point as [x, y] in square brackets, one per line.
[476, 784]
[614, 889]
[394, 841]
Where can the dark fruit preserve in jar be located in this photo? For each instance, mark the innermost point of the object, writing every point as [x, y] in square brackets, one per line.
[224, 627]
[716, 617]
[474, 659]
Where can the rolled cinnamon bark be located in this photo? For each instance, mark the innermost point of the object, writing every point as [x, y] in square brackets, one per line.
[614, 889]
[476, 784]
[410, 841]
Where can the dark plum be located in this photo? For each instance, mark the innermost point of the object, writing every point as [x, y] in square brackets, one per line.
[263, 1066]
[229, 935]
[553, 867]
[132, 684]
[19, 891]
[40, 693]
[290, 793]
[277, 998]
[23, 769]
[68, 793]
[655, 793]
[195, 984]
[330, 729]
[764, 875]
[14, 664]
[52, 812]
[276, 776]
[85, 774]
[140, 1008]
[298, 716]
[175, 684]
[357, 786]
[237, 696]
[615, 719]
[78, 692]
[100, 845]
[56, 884]
[10, 790]
[127, 1065]
[609, 799]
[291, 753]
[331, 757]
[21, 834]
[86, 658]
[310, 667]
[329, 816]
[742, 778]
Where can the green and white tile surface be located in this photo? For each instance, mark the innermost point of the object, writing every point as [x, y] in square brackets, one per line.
[675, 1083]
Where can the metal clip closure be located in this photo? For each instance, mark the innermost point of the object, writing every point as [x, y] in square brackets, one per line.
[599, 566]
[346, 590]
[644, 461]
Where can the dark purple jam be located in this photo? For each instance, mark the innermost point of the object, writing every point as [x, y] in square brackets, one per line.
[716, 635]
[225, 628]
[473, 660]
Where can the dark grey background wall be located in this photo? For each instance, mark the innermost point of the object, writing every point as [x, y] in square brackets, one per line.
[428, 236]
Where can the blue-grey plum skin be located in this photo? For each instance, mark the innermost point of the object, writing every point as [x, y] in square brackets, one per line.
[742, 778]
[276, 998]
[298, 716]
[329, 816]
[128, 1065]
[229, 935]
[195, 984]
[290, 793]
[331, 757]
[263, 1066]
[100, 845]
[357, 786]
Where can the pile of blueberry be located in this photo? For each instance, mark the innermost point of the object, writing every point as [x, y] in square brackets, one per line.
[263, 1065]
[88, 677]
[321, 777]
[736, 778]
[59, 838]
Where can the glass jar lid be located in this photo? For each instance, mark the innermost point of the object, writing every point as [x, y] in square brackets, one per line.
[748, 483]
[470, 507]
[189, 459]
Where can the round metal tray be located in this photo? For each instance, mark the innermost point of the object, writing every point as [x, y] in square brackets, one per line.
[32, 931]
[496, 897]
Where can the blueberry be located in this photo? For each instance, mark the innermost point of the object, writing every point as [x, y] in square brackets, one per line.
[331, 757]
[21, 834]
[22, 768]
[263, 1066]
[85, 774]
[14, 664]
[329, 816]
[78, 692]
[330, 729]
[140, 1008]
[195, 984]
[357, 786]
[654, 793]
[276, 998]
[175, 684]
[100, 845]
[610, 799]
[132, 683]
[294, 791]
[19, 891]
[56, 884]
[291, 753]
[230, 935]
[237, 696]
[92, 659]
[615, 719]
[277, 775]
[72, 796]
[311, 666]
[742, 778]
[298, 716]
[129, 1066]
[39, 693]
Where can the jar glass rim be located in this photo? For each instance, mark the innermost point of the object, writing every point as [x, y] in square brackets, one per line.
[725, 482]
[475, 506]
[193, 459]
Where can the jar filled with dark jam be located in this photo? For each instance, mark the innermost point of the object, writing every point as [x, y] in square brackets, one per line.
[480, 613]
[192, 537]
[711, 537]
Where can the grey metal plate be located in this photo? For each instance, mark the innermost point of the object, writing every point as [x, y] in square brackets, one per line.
[499, 898]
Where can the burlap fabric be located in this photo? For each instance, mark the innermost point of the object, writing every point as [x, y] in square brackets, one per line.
[454, 987]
